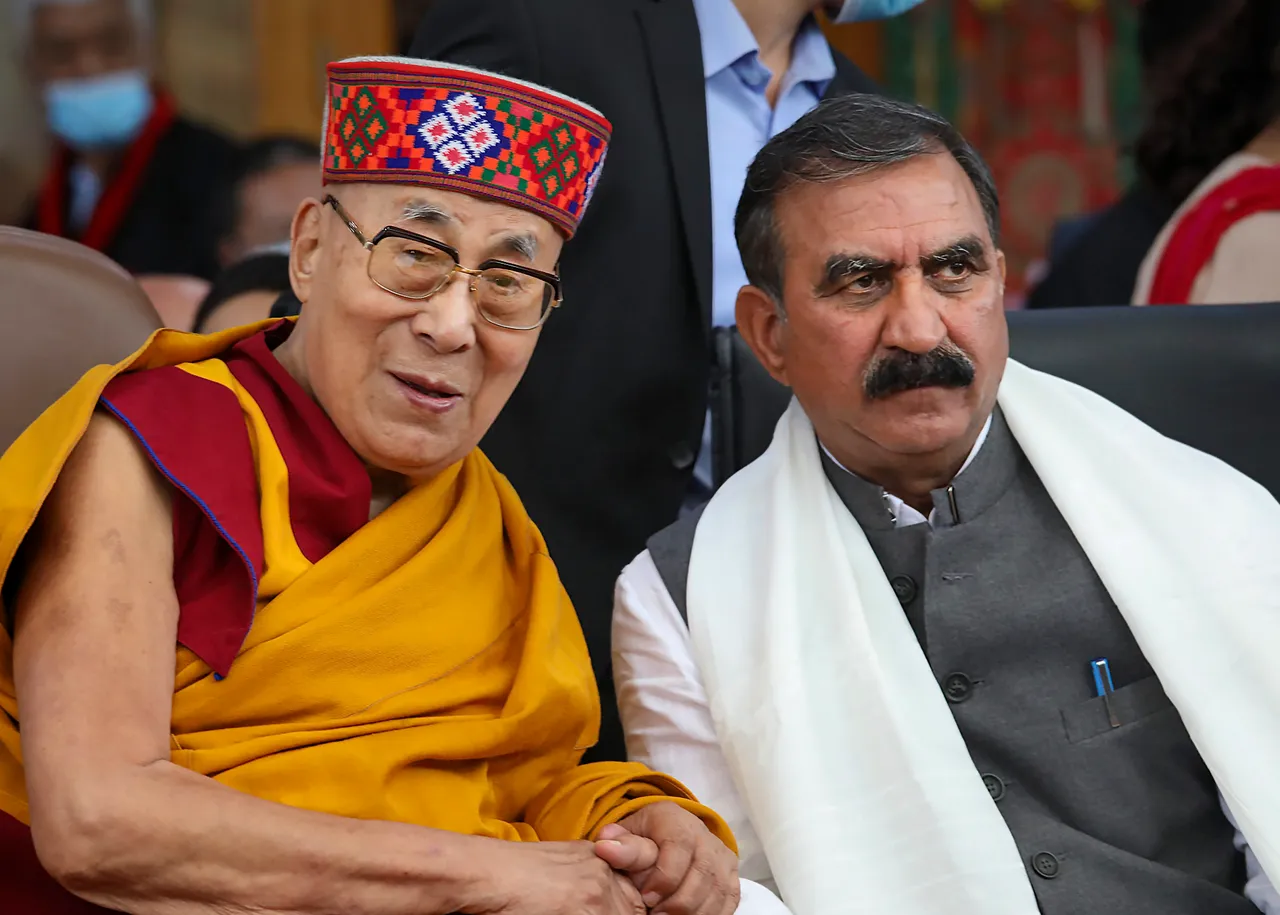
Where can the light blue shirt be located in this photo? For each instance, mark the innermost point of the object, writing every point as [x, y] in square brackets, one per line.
[739, 122]
[85, 192]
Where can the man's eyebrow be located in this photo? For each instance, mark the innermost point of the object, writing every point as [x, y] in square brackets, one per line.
[841, 266]
[968, 249]
[521, 244]
[423, 211]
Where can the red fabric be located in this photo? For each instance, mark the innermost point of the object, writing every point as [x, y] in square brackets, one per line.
[25, 886]
[428, 71]
[329, 488]
[194, 432]
[120, 192]
[464, 130]
[1196, 236]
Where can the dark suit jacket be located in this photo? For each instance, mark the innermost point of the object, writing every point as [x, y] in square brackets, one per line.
[601, 436]
[1101, 267]
[172, 225]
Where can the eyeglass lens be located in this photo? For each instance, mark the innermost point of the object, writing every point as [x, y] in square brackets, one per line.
[506, 297]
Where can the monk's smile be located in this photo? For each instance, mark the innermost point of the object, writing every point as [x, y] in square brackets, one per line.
[431, 394]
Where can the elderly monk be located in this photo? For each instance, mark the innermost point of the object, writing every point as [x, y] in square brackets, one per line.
[874, 652]
[282, 639]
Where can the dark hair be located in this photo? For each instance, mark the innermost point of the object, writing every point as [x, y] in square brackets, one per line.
[254, 158]
[1213, 96]
[267, 272]
[843, 137]
[1166, 28]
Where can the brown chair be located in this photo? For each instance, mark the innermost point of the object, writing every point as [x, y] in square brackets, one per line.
[64, 308]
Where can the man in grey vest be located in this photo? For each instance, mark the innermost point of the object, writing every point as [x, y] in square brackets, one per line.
[967, 639]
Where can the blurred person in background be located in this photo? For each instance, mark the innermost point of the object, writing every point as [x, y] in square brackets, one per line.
[1214, 139]
[273, 175]
[1094, 259]
[129, 176]
[245, 292]
[695, 89]
[176, 298]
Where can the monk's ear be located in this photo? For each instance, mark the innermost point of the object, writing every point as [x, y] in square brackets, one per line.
[304, 247]
[763, 324]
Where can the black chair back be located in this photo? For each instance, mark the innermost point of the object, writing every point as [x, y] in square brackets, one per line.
[1207, 376]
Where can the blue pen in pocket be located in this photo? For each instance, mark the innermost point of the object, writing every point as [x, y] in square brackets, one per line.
[1103, 687]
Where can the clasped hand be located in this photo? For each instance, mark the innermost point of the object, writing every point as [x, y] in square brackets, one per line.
[673, 860]
[660, 860]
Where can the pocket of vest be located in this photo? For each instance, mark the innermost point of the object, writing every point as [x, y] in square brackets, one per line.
[1130, 703]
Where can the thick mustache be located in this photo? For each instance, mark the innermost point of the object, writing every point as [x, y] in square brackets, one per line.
[944, 366]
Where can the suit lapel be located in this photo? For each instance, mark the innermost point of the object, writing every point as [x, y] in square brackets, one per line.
[675, 63]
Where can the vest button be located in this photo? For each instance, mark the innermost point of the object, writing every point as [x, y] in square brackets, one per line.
[957, 687]
[682, 456]
[995, 786]
[1045, 864]
[904, 586]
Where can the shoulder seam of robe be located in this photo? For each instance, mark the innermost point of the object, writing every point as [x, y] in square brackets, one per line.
[168, 410]
[220, 553]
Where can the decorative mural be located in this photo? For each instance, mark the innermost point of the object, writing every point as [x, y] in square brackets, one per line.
[1048, 91]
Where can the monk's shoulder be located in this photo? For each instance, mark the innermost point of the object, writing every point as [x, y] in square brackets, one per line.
[107, 493]
[191, 428]
[171, 395]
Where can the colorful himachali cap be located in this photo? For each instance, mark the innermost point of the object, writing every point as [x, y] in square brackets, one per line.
[405, 121]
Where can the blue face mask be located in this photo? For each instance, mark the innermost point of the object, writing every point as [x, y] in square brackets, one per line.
[866, 10]
[101, 112]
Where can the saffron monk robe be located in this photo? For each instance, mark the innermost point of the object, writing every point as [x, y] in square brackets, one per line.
[283, 640]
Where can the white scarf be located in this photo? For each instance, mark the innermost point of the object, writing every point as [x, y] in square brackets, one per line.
[842, 745]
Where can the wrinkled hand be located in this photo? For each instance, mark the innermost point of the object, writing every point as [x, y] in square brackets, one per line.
[561, 878]
[694, 873]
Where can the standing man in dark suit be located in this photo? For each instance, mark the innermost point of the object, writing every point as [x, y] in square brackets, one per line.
[602, 436]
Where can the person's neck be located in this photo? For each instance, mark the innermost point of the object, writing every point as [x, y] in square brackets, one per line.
[1267, 143]
[911, 477]
[102, 162]
[774, 24]
[386, 486]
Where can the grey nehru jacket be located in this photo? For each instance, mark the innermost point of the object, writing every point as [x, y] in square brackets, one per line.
[1009, 613]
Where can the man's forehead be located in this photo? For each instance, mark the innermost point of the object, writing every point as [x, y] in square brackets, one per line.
[921, 204]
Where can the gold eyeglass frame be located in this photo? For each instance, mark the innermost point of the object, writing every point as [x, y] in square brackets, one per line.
[551, 279]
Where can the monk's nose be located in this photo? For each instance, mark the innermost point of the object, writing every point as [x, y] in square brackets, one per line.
[447, 320]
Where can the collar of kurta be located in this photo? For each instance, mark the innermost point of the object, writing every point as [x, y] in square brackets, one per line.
[983, 478]
[121, 189]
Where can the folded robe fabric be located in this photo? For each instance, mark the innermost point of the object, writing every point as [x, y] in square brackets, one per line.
[424, 667]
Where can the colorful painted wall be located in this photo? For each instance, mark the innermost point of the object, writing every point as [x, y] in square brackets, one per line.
[1048, 90]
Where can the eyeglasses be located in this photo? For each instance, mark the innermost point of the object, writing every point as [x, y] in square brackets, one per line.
[413, 266]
